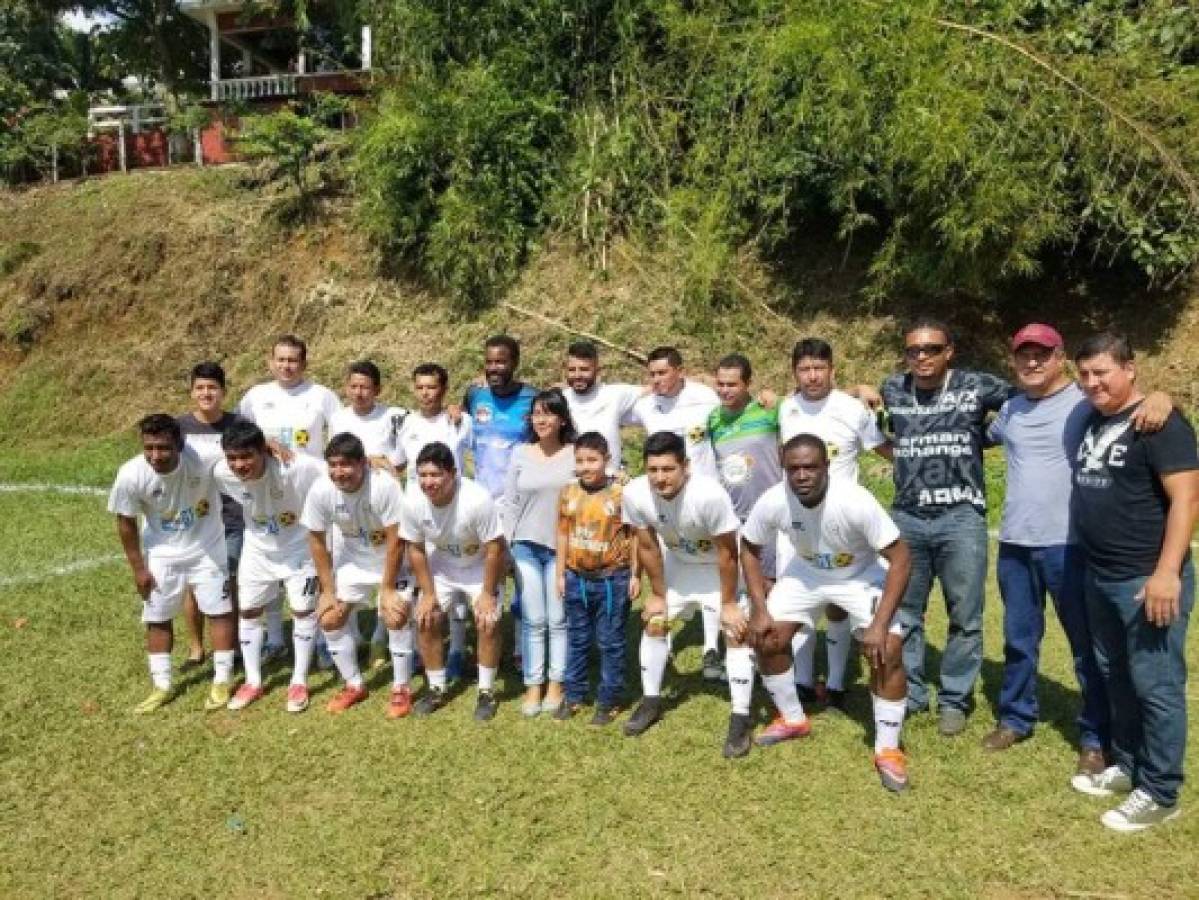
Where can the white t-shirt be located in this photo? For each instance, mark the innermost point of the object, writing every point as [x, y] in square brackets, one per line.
[180, 511]
[454, 534]
[271, 505]
[604, 408]
[685, 524]
[836, 541]
[418, 431]
[361, 516]
[378, 430]
[297, 417]
[846, 426]
[686, 414]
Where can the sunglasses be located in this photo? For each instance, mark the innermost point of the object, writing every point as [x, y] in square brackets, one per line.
[918, 350]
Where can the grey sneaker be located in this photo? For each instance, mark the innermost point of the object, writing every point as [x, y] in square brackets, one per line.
[1107, 783]
[486, 706]
[951, 722]
[713, 666]
[1138, 812]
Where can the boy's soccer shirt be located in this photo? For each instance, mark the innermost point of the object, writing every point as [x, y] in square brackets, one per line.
[598, 538]
[361, 516]
[297, 417]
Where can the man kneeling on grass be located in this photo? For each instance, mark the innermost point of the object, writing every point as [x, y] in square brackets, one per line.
[365, 505]
[182, 545]
[455, 546]
[838, 531]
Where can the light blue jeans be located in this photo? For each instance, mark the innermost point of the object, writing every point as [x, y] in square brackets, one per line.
[543, 613]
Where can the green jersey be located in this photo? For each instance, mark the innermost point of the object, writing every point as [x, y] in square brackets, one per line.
[746, 446]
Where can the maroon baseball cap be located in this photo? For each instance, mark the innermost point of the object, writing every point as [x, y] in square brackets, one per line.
[1041, 335]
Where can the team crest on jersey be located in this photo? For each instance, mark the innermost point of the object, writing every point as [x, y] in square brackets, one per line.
[301, 437]
[287, 519]
[202, 509]
[703, 546]
[483, 414]
[832, 449]
[470, 549]
[377, 537]
[841, 560]
[697, 434]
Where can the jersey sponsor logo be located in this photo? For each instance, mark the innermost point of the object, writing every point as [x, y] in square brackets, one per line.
[483, 413]
[698, 547]
[202, 509]
[459, 550]
[174, 521]
[737, 468]
[829, 561]
[948, 496]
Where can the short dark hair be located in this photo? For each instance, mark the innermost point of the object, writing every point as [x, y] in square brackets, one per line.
[737, 361]
[432, 368]
[243, 435]
[1117, 346]
[509, 343]
[670, 354]
[930, 323]
[209, 371]
[583, 350]
[811, 348]
[554, 402]
[160, 424]
[367, 368]
[439, 455]
[592, 440]
[296, 343]
[807, 440]
[665, 443]
[345, 445]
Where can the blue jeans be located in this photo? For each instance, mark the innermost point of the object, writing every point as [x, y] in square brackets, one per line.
[951, 547]
[1025, 575]
[596, 611]
[542, 613]
[1145, 670]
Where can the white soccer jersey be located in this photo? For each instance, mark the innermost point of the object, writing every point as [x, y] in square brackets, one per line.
[453, 535]
[837, 541]
[379, 430]
[180, 511]
[685, 524]
[604, 408]
[418, 431]
[297, 417]
[685, 414]
[361, 517]
[846, 426]
[272, 505]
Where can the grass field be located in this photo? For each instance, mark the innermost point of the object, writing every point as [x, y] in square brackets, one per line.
[97, 802]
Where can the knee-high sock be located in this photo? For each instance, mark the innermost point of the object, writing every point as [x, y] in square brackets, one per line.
[303, 639]
[739, 663]
[785, 697]
[837, 642]
[803, 646]
[654, 651]
[250, 635]
[222, 666]
[399, 643]
[888, 722]
[160, 670]
[345, 655]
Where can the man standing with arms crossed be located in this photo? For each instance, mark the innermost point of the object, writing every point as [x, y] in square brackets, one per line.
[1135, 502]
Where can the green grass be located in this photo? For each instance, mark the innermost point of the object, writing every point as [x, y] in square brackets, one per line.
[97, 802]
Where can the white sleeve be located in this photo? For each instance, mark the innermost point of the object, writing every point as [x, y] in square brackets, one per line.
[391, 509]
[318, 512]
[245, 408]
[307, 474]
[631, 512]
[759, 528]
[396, 417]
[227, 483]
[629, 395]
[329, 406]
[122, 499]
[401, 455]
[872, 520]
[410, 529]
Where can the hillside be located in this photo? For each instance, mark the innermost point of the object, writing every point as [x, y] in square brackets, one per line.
[110, 289]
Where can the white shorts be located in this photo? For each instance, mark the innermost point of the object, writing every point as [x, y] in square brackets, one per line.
[357, 584]
[793, 600]
[259, 578]
[457, 591]
[208, 580]
[691, 588]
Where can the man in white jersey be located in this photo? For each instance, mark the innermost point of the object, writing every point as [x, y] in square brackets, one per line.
[275, 553]
[294, 414]
[365, 505]
[376, 424]
[848, 428]
[838, 532]
[687, 544]
[456, 550]
[181, 545]
[595, 405]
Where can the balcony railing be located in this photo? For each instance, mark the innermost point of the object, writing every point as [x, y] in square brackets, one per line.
[255, 87]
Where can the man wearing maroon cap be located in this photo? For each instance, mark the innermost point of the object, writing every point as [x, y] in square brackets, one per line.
[1040, 428]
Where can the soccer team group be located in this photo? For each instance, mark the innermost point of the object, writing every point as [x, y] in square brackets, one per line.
[749, 513]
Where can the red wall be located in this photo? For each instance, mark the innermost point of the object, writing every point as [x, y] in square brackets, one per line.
[145, 149]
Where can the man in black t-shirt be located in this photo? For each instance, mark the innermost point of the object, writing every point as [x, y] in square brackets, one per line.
[1134, 506]
[938, 418]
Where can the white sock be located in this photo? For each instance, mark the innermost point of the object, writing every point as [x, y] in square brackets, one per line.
[160, 670]
[222, 666]
[435, 678]
[785, 697]
[399, 643]
[654, 652]
[888, 722]
[274, 623]
[837, 643]
[739, 663]
[303, 641]
[711, 619]
[250, 636]
[457, 634]
[345, 655]
[486, 678]
[803, 648]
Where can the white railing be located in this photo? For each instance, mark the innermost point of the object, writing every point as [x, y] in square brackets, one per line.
[252, 88]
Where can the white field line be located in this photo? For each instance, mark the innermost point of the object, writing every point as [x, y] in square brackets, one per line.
[71, 568]
[39, 487]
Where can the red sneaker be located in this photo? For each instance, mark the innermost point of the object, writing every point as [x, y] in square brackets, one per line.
[245, 695]
[348, 696]
[400, 703]
[297, 698]
[781, 730]
[892, 767]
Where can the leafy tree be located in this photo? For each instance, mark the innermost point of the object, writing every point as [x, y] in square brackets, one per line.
[286, 137]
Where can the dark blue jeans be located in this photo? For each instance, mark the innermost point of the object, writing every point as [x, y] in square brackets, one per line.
[596, 612]
[952, 548]
[1025, 575]
[1145, 672]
